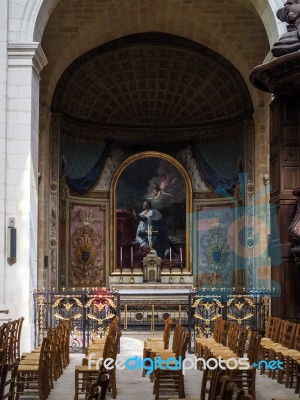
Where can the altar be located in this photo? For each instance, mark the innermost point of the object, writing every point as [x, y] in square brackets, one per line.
[149, 305]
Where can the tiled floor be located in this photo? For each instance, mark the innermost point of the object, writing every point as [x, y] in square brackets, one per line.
[131, 385]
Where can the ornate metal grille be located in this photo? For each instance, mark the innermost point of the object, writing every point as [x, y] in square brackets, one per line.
[91, 312]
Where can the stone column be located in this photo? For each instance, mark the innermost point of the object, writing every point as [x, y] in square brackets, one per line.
[261, 197]
[25, 61]
[44, 203]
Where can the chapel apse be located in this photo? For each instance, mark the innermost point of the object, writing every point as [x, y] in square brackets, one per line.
[148, 92]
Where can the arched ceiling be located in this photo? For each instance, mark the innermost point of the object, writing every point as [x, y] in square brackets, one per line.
[232, 29]
[154, 79]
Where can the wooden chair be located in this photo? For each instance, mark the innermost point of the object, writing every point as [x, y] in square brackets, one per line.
[224, 389]
[288, 357]
[276, 350]
[169, 379]
[86, 376]
[34, 377]
[202, 342]
[7, 380]
[151, 344]
[237, 337]
[221, 387]
[98, 389]
[245, 379]
[17, 339]
[274, 331]
[167, 353]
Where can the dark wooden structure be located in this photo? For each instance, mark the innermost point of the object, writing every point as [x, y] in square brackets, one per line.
[285, 176]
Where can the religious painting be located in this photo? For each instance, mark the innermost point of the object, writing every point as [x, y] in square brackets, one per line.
[151, 210]
[86, 245]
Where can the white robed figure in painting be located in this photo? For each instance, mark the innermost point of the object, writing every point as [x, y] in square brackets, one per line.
[152, 231]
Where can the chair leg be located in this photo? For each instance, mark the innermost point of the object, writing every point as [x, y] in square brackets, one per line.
[156, 385]
[76, 385]
[181, 387]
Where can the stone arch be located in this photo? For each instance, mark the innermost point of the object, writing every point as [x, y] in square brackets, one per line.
[37, 14]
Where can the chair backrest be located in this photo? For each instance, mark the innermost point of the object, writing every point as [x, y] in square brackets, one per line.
[167, 332]
[270, 325]
[184, 343]
[7, 380]
[233, 336]
[217, 329]
[296, 344]
[221, 388]
[278, 325]
[241, 341]
[237, 339]
[176, 338]
[224, 332]
[253, 347]
[225, 328]
[17, 354]
[98, 390]
[288, 334]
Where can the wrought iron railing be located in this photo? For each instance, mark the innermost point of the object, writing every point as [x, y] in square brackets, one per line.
[91, 311]
[248, 308]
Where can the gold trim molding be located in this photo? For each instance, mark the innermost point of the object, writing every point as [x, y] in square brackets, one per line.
[188, 186]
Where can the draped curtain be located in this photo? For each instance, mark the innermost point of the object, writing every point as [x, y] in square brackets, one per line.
[221, 185]
[85, 183]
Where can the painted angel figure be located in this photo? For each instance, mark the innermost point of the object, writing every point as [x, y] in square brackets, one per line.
[158, 190]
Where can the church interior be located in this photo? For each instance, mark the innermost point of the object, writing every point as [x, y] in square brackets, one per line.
[149, 199]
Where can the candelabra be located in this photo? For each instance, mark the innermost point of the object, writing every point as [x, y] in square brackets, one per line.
[131, 267]
[121, 272]
[181, 280]
[170, 278]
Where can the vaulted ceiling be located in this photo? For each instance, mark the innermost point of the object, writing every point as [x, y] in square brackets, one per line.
[154, 79]
[232, 29]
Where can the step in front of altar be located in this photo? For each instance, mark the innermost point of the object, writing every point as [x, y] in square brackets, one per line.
[127, 289]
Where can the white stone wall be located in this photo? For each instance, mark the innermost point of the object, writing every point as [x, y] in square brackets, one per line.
[24, 64]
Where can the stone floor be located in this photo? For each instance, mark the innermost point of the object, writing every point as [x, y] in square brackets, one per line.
[131, 385]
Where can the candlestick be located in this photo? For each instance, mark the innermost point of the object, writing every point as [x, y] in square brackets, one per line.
[121, 272]
[132, 277]
[181, 280]
[170, 278]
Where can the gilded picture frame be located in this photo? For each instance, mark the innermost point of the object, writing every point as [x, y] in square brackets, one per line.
[159, 179]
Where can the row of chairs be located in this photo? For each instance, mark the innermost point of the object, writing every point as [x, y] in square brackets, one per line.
[228, 343]
[91, 378]
[282, 344]
[10, 336]
[38, 370]
[166, 378]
